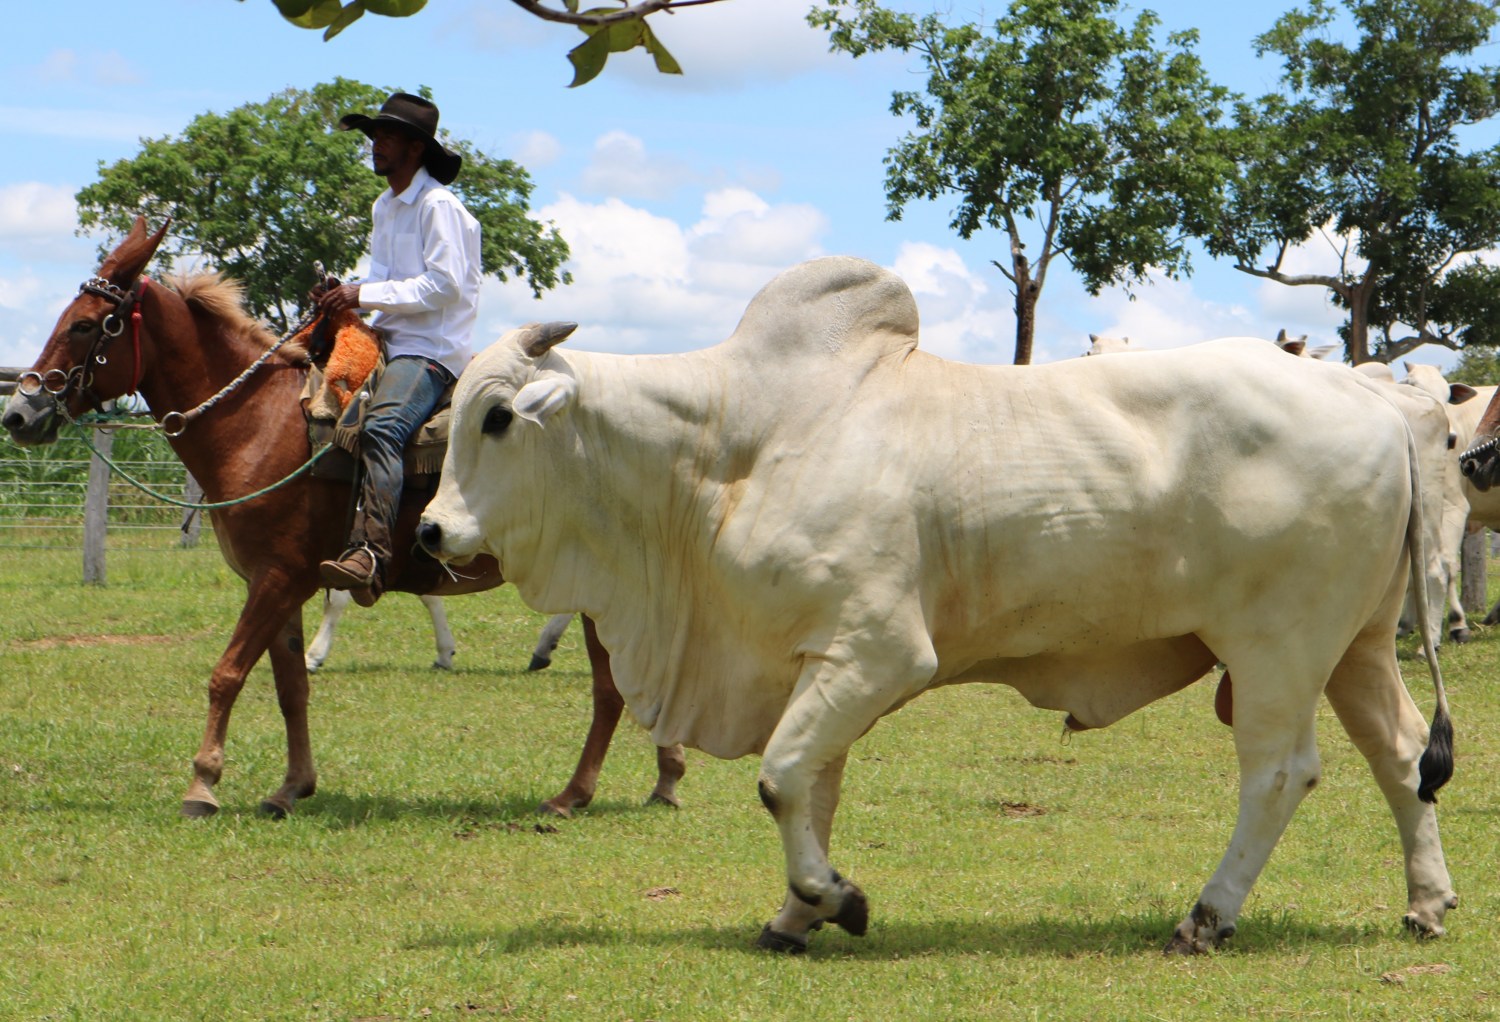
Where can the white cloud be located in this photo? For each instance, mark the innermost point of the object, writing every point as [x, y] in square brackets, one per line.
[69, 67]
[621, 166]
[645, 283]
[32, 209]
[962, 317]
[726, 45]
[536, 149]
[89, 125]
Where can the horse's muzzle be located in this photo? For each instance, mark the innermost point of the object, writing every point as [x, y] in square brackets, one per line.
[31, 419]
[1480, 463]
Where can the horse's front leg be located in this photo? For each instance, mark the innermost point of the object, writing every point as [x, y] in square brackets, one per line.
[289, 666]
[607, 706]
[267, 608]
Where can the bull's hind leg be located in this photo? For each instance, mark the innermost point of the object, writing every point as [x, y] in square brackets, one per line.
[1372, 703]
[1275, 738]
[290, 670]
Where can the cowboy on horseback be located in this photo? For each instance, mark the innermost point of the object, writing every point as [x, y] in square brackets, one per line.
[424, 287]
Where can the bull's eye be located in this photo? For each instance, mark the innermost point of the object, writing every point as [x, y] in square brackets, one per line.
[496, 421]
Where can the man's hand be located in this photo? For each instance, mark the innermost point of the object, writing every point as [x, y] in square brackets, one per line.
[339, 299]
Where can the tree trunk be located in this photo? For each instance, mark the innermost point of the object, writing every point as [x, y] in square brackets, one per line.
[1027, 293]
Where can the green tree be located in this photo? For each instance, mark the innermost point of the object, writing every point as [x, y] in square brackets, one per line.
[1363, 147]
[609, 29]
[1077, 137]
[267, 189]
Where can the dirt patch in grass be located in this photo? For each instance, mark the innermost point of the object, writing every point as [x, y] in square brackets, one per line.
[85, 641]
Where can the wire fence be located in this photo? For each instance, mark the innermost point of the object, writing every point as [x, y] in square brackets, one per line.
[63, 497]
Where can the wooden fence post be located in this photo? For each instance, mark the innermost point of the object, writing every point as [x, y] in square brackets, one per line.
[1475, 568]
[96, 509]
[192, 520]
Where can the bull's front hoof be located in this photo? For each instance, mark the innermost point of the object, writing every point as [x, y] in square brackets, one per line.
[1460, 635]
[785, 943]
[1198, 934]
[539, 663]
[198, 809]
[1421, 929]
[854, 912]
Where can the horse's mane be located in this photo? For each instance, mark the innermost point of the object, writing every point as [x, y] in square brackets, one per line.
[224, 299]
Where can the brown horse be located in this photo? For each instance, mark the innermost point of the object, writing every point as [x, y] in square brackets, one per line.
[186, 351]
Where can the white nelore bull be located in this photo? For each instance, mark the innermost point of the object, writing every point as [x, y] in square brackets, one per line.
[789, 535]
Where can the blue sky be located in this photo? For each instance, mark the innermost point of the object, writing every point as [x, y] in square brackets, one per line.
[681, 196]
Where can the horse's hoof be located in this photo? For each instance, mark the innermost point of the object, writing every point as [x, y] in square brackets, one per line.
[539, 663]
[854, 912]
[656, 798]
[275, 810]
[785, 943]
[552, 807]
[197, 808]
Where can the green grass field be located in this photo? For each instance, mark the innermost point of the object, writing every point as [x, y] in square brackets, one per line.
[1011, 875]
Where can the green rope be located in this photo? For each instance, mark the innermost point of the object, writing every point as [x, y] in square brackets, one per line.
[215, 504]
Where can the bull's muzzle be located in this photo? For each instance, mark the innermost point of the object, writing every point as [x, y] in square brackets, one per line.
[430, 538]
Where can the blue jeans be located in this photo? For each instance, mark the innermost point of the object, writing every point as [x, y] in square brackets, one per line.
[405, 397]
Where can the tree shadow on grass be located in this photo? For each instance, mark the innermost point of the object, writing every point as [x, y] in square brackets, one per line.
[1121, 936]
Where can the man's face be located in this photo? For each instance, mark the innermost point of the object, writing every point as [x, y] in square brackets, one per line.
[391, 149]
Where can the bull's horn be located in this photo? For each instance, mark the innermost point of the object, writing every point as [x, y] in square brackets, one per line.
[537, 338]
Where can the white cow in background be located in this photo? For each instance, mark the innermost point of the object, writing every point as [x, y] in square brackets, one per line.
[789, 535]
[336, 601]
[1465, 509]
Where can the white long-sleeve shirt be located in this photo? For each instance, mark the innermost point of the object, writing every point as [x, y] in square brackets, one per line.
[424, 273]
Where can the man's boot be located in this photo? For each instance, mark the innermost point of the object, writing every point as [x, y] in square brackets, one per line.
[355, 571]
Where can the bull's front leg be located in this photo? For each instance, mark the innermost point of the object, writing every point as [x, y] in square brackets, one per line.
[264, 614]
[800, 777]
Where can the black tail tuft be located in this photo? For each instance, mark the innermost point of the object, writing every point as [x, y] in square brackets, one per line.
[1437, 762]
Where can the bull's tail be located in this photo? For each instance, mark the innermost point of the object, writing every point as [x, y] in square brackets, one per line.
[1436, 767]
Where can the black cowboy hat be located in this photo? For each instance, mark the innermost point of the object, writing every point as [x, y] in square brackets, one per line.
[419, 118]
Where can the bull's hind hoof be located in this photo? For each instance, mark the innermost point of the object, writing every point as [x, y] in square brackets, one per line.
[786, 943]
[854, 912]
[539, 664]
[1460, 635]
[197, 809]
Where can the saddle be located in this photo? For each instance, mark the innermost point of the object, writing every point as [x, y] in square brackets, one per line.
[348, 357]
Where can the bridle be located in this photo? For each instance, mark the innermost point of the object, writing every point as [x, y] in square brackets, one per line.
[59, 382]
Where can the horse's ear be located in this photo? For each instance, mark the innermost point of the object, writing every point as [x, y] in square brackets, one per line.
[125, 263]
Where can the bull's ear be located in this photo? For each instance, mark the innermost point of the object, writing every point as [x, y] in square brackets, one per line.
[541, 399]
[1458, 393]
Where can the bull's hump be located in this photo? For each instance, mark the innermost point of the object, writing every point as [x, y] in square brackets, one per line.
[835, 307]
